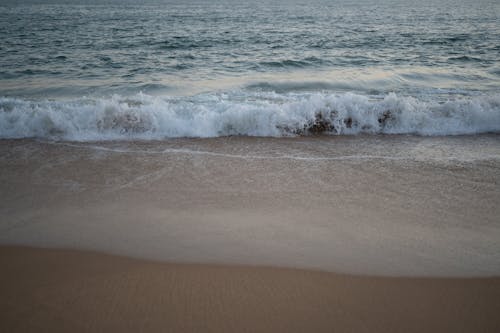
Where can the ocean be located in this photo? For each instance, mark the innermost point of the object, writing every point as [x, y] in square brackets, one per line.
[129, 70]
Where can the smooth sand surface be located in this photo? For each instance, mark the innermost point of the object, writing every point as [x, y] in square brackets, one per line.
[371, 205]
[45, 290]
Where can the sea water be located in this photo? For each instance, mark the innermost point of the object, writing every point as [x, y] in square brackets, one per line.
[101, 70]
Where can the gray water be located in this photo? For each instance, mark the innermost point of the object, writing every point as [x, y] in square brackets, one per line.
[124, 70]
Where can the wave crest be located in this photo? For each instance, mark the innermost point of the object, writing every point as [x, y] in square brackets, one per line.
[245, 113]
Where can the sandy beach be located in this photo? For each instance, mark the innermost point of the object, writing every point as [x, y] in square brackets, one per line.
[312, 234]
[71, 291]
[387, 205]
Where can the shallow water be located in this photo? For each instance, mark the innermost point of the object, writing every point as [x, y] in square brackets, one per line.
[383, 205]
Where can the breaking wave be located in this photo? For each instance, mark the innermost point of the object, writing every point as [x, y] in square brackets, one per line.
[245, 113]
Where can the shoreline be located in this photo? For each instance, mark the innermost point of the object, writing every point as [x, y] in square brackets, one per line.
[77, 291]
[429, 207]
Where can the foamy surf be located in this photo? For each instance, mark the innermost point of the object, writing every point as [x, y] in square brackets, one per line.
[243, 113]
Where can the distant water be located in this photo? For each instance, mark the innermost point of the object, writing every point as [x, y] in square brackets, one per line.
[153, 70]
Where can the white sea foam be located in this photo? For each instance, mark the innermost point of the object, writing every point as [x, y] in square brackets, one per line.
[245, 113]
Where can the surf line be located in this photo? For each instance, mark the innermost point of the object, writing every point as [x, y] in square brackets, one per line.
[262, 157]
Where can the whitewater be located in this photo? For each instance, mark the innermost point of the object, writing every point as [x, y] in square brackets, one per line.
[258, 114]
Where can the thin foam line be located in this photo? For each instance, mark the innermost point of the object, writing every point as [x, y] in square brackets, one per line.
[282, 157]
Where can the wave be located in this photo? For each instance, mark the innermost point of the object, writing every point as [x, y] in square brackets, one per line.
[294, 86]
[464, 58]
[290, 63]
[245, 113]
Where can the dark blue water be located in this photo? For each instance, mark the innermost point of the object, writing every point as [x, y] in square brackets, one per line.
[162, 69]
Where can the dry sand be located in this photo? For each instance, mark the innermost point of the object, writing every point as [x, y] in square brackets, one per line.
[45, 290]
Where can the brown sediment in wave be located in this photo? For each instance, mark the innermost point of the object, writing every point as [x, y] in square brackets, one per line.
[329, 122]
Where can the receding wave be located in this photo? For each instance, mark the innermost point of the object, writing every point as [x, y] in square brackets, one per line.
[245, 113]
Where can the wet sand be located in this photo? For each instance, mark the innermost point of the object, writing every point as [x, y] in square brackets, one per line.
[71, 291]
[376, 205]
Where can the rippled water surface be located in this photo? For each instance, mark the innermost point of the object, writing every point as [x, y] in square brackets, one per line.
[157, 68]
